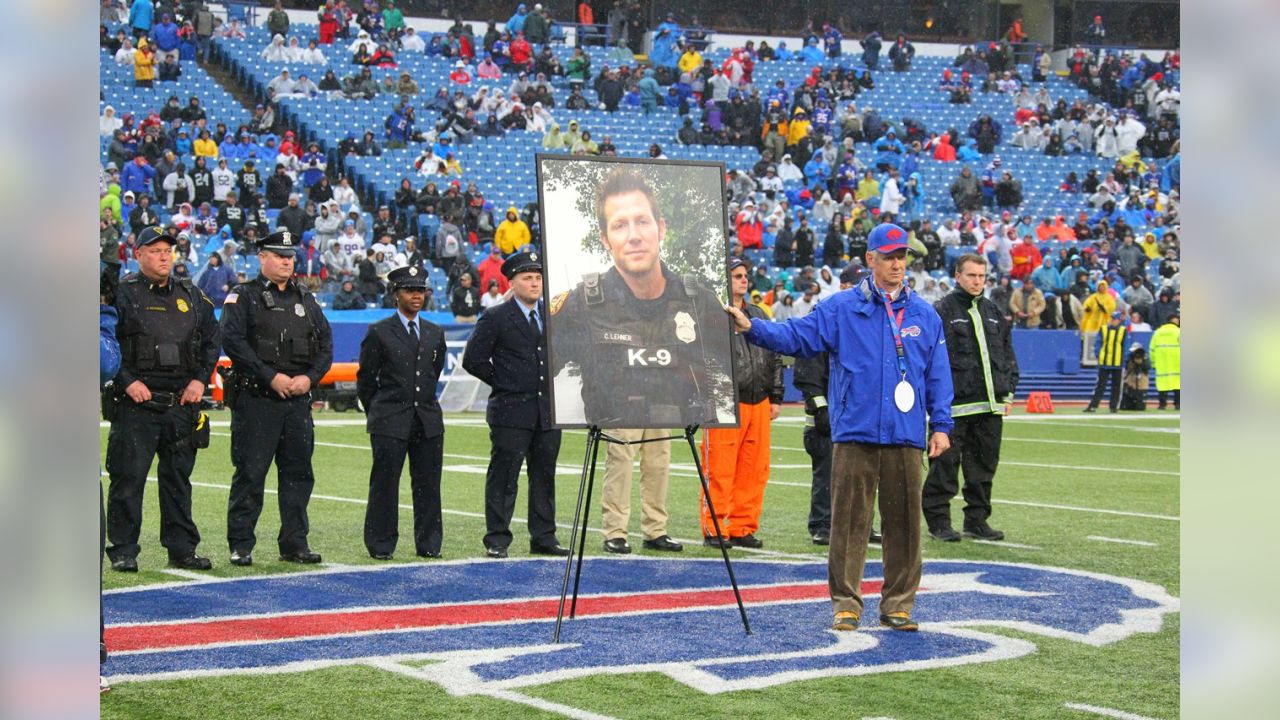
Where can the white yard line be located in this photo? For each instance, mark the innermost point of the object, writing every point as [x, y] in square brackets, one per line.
[1129, 446]
[1105, 711]
[1096, 468]
[1006, 543]
[1041, 505]
[1100, 511]
[188, 574]
[1082, 418]
[1122, 541]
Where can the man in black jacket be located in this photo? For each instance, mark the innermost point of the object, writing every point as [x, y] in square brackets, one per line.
[401, 358]
[507, 352]
[811, 379]
[280, 345]
[292, 217]
[169, 344]
[279, 186]
[984, 374]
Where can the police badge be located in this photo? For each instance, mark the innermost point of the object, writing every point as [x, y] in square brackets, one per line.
[299, 310]
[686, 329]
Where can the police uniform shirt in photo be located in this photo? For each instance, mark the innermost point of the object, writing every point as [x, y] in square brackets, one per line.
[984, 374]
[168, 338]
[642, 363]
[400, 363]
[267, 330]
[507, 351]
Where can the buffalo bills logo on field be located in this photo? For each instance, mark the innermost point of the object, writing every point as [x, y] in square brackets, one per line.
[486, 633]
[911, 331]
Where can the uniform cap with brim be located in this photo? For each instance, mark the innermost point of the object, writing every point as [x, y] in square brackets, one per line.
[410, 277]
[886, 238]
[522, 262]
[849, 275]
[280, 242]
[737, 262]
[153, 235]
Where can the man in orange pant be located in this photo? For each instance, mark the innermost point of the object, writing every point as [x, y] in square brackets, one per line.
[737, 459]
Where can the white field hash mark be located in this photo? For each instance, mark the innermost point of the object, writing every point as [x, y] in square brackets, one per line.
[1121, 541]
[1105, 712]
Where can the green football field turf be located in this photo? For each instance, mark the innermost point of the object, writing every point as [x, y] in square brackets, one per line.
[1095, 493]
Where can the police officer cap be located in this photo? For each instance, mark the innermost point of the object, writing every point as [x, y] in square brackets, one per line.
[522, 262]
[408, 277]
[280, 242]
[850, 274]
[154, 234]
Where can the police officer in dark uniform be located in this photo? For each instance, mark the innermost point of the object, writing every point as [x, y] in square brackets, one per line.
[507, 351]
[169, 342]
[648, 344]
[811, 378]
[280, 346]
[401, 358]
[984, 373]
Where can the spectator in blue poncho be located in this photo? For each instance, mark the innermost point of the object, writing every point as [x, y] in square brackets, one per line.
[888, 151]
[649, 92]
[141, 16]
[812, 53]
[216, 279]
[663, 52]
[516, 23]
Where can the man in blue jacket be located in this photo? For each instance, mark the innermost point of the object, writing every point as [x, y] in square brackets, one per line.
[165, 33]
[890, 398]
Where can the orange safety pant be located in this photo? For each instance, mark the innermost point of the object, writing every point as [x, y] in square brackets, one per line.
[737, 466]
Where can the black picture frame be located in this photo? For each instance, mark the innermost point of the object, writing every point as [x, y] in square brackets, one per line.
[658, 363]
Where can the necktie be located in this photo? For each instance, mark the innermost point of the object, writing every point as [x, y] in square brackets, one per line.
[413, 331]
[533, 324]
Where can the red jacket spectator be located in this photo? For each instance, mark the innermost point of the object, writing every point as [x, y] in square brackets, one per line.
[1064, 231]
[749, 228]
[491, 269]
[521, 51]
[328, 26]
[943, 151]
[1026, 258]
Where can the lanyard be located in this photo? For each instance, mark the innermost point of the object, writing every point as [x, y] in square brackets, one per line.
[894, 323]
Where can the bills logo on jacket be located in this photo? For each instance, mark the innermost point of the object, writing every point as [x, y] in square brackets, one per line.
[487, 626]
[911, 331]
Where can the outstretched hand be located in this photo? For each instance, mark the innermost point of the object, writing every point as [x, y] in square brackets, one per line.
[741, 323]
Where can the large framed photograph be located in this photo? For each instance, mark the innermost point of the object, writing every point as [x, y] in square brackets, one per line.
[635, 275]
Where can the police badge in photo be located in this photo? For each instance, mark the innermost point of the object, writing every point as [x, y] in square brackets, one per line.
[635, 278]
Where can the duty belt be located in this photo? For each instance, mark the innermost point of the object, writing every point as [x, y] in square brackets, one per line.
[160, 401]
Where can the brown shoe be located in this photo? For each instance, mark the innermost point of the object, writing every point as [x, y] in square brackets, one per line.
[846, 621]
[899, 621]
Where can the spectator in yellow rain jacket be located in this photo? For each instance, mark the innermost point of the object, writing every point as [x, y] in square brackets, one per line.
[512, 233]
[1098, 307]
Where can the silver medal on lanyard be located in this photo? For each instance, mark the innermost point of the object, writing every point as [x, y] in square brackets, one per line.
[904, 396]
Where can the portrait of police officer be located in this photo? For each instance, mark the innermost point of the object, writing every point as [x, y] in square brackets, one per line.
[280, 346]
[650, 347]
[507, 351]
[401, 358]
[169, 344]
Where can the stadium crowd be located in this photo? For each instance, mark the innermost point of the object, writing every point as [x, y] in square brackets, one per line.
[807, 205]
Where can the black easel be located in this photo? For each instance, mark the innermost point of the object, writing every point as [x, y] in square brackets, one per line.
[578, 535]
